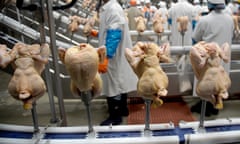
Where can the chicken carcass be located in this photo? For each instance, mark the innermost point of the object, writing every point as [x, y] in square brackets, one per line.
[92, 6]
[213, 80]
[183, 23]
[236, 25]
[26, 83]
[235, 20]
[144, 59]
[86, 3]
[75, 22]
[88, 27]
[140, 23]
[158, 22]
[5, 58]
[82, 64]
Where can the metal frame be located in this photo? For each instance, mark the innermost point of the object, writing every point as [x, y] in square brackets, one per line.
[221, 132]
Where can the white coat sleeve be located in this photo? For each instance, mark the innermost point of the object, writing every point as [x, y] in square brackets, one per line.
[198, 32]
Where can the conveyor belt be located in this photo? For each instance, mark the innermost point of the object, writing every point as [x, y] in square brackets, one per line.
[228, 129]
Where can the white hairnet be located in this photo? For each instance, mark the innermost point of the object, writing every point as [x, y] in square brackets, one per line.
[147, 1]
[162, 4]
[196, 1]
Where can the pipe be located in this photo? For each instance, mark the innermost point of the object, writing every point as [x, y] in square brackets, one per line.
[202, 117]
[86, 97]
[147, 130]
[57, 79]
[47, 67]
[20, 21]
[35, 118]
[27, 31]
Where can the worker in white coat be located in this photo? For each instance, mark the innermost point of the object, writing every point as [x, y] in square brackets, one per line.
[119, 78]
[217, 27]
[181, 8]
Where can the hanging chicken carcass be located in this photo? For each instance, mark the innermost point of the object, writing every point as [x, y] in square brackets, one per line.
[158, 22]
[82, 64]
[213, 80]
[144, 59]
[88, 27]
[26, 83]
[140, 24]
[182, 24]
[75, 22]
[5, 58]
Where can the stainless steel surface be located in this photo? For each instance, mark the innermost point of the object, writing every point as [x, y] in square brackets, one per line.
[47, 75]
[58, 84]
[202, 116]
[86, 97]
[35, 118]
[147, 114]
[27, 31]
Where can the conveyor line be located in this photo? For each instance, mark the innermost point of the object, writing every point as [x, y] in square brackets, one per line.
[227, 129]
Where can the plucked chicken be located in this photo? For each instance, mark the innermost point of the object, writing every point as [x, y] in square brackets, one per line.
[88, 27]
[182, 23]
[75, 22]
[26, 83]
[158, 22]
[213, 80]
[140, 23]
[82, 64]
[144, 59]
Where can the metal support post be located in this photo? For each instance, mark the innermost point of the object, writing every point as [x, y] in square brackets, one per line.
[86, 97]
[202, 117]
[88, 39]
[182, 33]
[158, 39]
[54, 50]
[34, 117]
[147, 131]
[139, 37]
[47, 67]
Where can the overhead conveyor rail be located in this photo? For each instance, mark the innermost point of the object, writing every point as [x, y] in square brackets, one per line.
[29, 32]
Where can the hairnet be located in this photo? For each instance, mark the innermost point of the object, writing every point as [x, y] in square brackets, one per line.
[216, 4]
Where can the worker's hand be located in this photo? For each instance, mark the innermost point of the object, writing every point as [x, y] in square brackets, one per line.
[94, 33]
[102, 67]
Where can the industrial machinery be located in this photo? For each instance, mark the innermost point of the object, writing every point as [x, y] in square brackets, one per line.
[31, 26]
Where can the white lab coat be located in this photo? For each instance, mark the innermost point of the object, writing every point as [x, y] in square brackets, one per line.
[182, 8]
[119, 77]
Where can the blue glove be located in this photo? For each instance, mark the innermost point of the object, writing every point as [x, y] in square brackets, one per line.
[169, 21]
[113, 39]
[194, 23]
